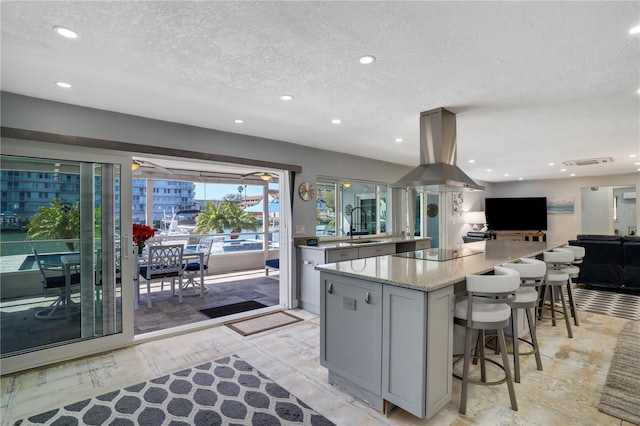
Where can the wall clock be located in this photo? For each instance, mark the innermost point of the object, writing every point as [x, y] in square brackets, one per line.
[432, 210]
[306, 191]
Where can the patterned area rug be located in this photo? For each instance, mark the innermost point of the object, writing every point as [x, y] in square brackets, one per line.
[225, 391]
[610, 303]
[621, 393]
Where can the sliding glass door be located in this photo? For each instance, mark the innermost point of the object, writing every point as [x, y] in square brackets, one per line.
[61, 253]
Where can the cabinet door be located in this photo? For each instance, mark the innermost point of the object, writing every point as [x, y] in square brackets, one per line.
[423, 244]
[342, 254]
[417, 335]
[309, 279]
[377, 250]
[351, 330]
[440, 308]
[404, 343]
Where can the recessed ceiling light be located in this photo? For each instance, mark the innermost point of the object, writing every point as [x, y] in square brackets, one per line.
[367, 59]
[65, 32]
[398, 140]
[551, 164]
[472, 161]
[635, 30]
[563, 170]
[572, 174]
[489, 170]
[336, 121]
[238, 121]
[633, 155]
[63, 84]
[636, 164]
[506, 174]
[286, 97]
[520, 178]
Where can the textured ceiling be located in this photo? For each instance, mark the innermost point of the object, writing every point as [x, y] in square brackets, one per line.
[531, 82]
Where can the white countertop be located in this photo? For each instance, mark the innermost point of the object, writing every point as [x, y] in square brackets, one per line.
[428, 275]
[375, 241]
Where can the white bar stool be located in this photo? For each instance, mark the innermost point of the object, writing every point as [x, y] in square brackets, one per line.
[554, 283]
[532, 273]
[574, 271]
[487, 308]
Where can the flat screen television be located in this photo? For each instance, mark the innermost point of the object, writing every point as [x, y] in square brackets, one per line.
[516, 214]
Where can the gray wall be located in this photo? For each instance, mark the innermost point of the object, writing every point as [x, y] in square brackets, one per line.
[36, 114]
[563, 227]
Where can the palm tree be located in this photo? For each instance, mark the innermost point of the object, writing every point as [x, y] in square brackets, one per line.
[237, 219]
[59, 221]
[210, 219]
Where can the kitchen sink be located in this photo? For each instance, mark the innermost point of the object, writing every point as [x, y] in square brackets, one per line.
[364, 241]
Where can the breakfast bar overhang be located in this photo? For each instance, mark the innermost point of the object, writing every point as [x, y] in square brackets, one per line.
[386, 323]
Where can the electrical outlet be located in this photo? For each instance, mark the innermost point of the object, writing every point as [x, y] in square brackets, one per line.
[349, 303]
[299, 229]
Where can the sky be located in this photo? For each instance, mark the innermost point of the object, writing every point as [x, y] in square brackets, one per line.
[218, 191]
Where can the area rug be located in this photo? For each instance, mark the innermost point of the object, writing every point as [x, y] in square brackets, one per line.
[621, 305]
[621, 393]
[226, 391]
[235, 308]
[263, 323]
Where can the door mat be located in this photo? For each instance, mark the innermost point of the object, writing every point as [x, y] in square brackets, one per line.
[263, 323]
[235, 308]
[222, 392]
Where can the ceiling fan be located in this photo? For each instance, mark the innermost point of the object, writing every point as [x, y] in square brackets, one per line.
[145, 163]
[263, 175]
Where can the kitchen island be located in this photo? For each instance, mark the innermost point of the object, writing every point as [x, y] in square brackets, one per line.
[386, 322]
[341, 249]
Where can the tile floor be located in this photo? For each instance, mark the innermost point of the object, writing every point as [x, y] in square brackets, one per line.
[565, 393]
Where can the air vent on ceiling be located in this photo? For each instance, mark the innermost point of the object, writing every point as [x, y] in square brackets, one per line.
[588, 162]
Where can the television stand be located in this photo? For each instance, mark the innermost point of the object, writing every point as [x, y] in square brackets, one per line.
[519, 235]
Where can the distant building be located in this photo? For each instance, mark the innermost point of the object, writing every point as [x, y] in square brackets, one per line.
[24, 192]
[169, 198]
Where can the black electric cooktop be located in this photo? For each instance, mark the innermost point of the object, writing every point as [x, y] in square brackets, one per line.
[439, 254]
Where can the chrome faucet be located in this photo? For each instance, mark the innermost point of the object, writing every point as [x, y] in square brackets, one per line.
[352, 228]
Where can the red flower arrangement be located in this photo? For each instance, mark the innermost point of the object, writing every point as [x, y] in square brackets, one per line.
[142, 233]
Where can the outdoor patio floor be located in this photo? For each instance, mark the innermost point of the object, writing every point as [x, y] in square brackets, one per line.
[20, 330]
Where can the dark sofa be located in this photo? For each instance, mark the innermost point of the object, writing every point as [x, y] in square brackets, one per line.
[609, 261]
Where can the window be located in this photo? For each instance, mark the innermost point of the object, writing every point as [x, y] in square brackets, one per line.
[354, 207]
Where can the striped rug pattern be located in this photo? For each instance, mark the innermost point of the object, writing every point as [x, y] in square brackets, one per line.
[621, 305]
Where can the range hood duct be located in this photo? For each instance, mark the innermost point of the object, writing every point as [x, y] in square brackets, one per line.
[437, 171]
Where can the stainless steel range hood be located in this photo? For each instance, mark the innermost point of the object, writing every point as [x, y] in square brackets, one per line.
[437, 171]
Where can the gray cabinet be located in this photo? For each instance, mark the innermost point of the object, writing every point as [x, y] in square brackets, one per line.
[309, 278]
[413, 245]
[395, 349]
[309, 257]
[351, 331]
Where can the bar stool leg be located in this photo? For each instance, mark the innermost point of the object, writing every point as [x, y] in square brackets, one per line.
[465, 370]
[552, 302]
[483, 366]
[572, 303]
[516, 351]
[534, 338]
[567, 320]
[507, 370]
